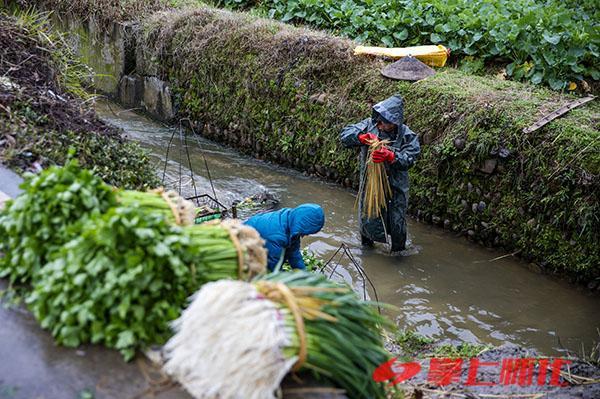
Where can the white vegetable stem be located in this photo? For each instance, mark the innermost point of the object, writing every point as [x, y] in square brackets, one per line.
[227, 329]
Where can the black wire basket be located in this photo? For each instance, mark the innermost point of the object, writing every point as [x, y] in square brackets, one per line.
[209, 208]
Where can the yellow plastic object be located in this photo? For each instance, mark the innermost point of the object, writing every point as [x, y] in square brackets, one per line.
[433, 55]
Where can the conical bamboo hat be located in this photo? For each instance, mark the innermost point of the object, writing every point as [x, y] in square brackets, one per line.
[407, 68]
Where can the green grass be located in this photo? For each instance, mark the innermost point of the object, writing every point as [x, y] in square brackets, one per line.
[463, 350]
[412, 345]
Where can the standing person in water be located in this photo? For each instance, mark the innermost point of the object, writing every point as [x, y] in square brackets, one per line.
[282, 231]
[385, 123]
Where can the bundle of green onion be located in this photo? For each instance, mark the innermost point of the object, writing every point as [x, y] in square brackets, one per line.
[226, 250]
[281, 322]
[343, 333]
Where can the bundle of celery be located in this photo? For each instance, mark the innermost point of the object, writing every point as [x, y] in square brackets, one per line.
[49, 212]
[113, 267]
[377, 189]
[239, 339]
[55, 205]
[130, 272]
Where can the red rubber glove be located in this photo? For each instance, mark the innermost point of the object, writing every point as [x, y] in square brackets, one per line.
[367, 138]
[383, 155]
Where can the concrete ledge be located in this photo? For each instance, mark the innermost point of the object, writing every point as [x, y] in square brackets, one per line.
[9, 182]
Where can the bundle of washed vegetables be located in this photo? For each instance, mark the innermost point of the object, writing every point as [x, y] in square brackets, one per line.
[54, 206]
[168, 203]
[377, 189]
[238, 339]
[50, 211]
[120, 267]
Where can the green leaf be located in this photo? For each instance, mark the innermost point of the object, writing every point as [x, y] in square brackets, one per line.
[387, 41]
[402, 35]
[435, 38]
[86, 394]
[123, 307]
[125, 339]
[537, 78]
[551, 38]
[510, 68]
[161, 249]
[288, 16]
[138, 312]
[557, 84]
[79, 279]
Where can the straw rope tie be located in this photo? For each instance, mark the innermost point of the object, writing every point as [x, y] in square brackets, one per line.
[173, 206]
[240, 252]
[279, 292]
[165, 195]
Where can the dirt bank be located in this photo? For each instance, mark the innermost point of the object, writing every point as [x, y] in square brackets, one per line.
[41, 117]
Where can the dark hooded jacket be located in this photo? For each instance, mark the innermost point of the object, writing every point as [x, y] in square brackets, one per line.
[282, 231]
[405, 145]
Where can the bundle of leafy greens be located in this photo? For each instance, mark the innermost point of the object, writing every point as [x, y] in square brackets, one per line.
[49, 212]
[114, 267]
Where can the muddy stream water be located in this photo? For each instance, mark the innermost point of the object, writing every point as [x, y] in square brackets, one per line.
[443, 287]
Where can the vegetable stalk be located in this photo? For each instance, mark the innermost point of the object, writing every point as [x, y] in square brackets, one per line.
[376, 189]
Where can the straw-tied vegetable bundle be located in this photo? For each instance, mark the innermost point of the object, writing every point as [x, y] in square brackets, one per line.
[238, 339]
[121, 272]
[47, 214]
[376, 189]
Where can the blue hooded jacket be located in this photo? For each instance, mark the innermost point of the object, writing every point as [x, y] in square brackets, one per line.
[283, 229]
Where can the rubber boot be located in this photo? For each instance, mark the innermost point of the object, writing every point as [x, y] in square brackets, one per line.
[366, 241]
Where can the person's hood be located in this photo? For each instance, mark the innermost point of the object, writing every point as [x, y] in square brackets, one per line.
[392, 109]
[306, 219]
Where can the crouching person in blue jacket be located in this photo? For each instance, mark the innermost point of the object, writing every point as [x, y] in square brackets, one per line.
[283, 229]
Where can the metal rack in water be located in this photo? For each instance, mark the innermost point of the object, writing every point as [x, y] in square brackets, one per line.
[208, 207]
[330, 269]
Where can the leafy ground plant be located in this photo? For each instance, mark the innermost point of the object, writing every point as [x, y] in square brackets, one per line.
[312, 263]
[553, 42]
